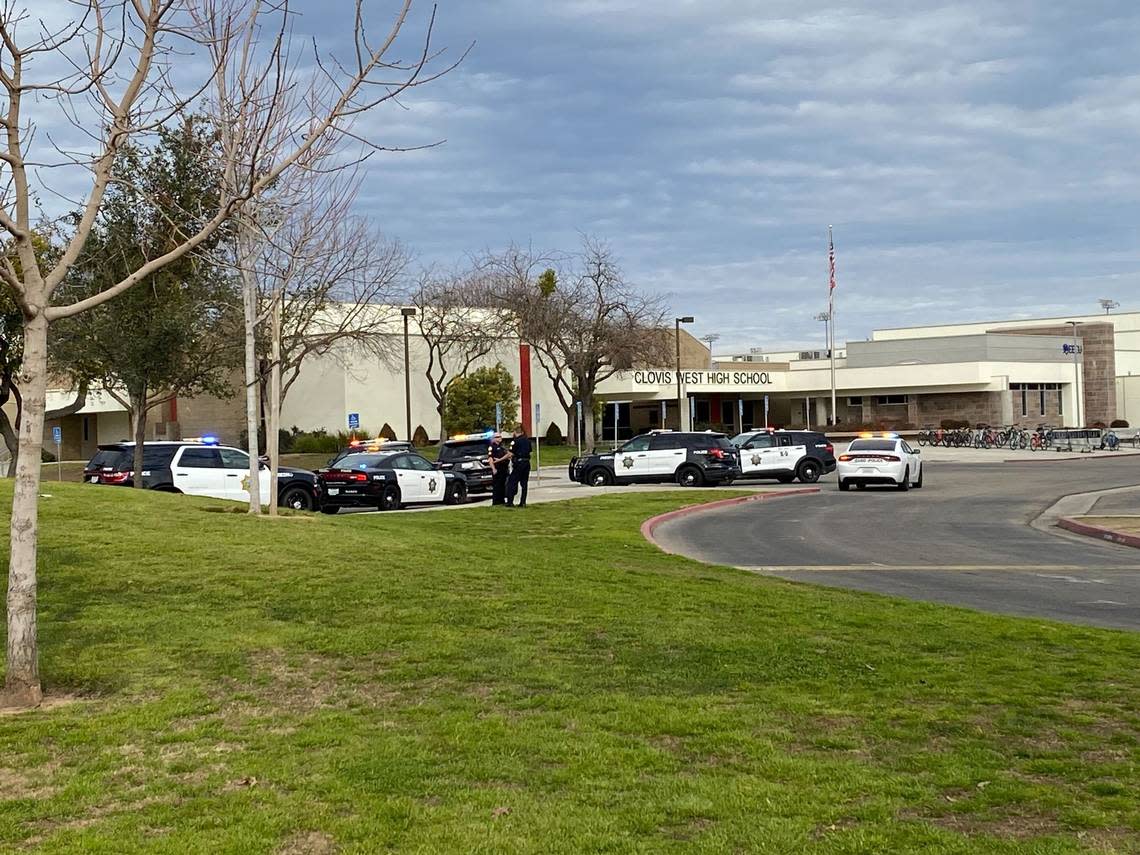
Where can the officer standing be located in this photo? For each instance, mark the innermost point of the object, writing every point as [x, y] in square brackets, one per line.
[520, 469]
[499, 458]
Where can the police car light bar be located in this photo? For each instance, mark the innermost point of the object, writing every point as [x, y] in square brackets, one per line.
[487, 434]
[889, 435]
[204, 440]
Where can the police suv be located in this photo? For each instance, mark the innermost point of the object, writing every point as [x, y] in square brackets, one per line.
[785, 455]
[467, 454]
[199, 467]
[690, 459]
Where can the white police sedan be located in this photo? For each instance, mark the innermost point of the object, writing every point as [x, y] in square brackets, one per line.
[880, 459]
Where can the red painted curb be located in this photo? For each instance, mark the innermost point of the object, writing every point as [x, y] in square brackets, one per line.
[1099, 532]
[650, 524]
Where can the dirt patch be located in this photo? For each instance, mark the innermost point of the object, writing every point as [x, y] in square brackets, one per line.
[308, 843]
[27, 784]
[1009, 827]
[49, 703]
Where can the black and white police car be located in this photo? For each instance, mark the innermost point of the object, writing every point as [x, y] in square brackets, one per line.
[387, 481]
[691, 459]
[785, 455]
[199, 467]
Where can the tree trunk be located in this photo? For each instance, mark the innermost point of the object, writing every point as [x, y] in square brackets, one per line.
[138, 406]
[11, 441]
[273, 420]
[249, 302]
[22, 681]
[588, 434]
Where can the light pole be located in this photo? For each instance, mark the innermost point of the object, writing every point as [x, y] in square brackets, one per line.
[709, 339]
[407, 313]
[1076, 377]
[1108, 305]
[826, 318]
[688, 319]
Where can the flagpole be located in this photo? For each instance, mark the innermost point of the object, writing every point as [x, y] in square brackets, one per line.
[831, 315]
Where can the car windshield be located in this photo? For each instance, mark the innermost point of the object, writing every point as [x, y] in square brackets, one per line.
[742, 438]
[722, 442]
[872, 445]
[464, 448]
[362, 461]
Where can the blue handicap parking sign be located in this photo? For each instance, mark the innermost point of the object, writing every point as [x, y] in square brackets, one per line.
[353, 421]
[57, 434]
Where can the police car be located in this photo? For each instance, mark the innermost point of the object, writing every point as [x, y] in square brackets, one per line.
[690, 459]
[785, 455]
[199, 467]
[387, 481]
[880, 459]
[372, 445]
[467, 453]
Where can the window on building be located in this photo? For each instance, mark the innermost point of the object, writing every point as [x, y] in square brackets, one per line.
[727, 412]
[86, 428]
[1042, 394]
[703, 411]
[1060, 401]
[1024, 403]
[855, 400]
[890, 400]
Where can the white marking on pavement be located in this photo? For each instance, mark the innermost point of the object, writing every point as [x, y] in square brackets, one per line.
[1073, 579]
[1102, 603]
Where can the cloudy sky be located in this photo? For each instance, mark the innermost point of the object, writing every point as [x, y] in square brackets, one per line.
[977, 159]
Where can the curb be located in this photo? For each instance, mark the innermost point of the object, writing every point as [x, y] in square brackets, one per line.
[1072, 456]
[650, 524]
[1099, 532]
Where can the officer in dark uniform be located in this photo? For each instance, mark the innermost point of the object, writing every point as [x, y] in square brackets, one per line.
[520, 469]
[499, 458]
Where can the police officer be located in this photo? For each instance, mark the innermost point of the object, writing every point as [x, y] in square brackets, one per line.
[520, 469]
[499, 458]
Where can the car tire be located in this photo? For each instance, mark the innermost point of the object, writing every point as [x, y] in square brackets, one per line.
[599, 477]
[904, 485]
[297, 498]
[844, 486]
[921, 474]
[456, 493]
[808, 472]
[390, 498]
[785, 479]
[690, 476]
[329, 509]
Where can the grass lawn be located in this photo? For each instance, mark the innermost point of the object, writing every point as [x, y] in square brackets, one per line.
[539, 681]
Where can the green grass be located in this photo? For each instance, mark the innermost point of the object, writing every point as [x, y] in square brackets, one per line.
[539, 681]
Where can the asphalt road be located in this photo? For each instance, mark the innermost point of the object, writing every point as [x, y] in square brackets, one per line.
[963, 539]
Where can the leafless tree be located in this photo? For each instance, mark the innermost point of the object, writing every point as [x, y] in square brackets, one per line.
[117, 71]
[460, 323]
[584, 321]
[326, 283]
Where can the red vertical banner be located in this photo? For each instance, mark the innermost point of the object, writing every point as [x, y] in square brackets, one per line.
[525, 402]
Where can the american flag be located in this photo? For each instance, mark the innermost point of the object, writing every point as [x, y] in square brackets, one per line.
[830, 260]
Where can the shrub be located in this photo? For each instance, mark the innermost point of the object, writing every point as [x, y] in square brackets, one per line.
[420, 437]
[315, 442]
[1098, 425]
[554, 435]
[387, 432]
[1120, 423]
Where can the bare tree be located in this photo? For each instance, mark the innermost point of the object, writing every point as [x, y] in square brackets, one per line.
[460, 324]
[327, 280]
[115, 72]
[585, 323]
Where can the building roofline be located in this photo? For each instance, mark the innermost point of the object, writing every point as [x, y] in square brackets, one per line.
[1062, 318]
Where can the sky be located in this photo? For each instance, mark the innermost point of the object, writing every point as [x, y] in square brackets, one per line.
[977, 159]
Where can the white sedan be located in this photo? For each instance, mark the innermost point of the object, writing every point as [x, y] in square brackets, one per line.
[883, 459]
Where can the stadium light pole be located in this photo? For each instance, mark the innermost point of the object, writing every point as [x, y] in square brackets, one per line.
[407, 313]
[1108, 304]
[1076, 377]
[708, 339]
[826, 318]
[688, 319]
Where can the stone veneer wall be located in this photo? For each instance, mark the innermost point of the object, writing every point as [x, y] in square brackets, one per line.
[1098, 377]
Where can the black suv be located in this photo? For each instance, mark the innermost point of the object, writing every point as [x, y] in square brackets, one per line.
[468, 455]
[199, 469]
[690, 459]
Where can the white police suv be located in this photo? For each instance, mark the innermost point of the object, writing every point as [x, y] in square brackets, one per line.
[880, 459]
[785, 455]
[691, 459]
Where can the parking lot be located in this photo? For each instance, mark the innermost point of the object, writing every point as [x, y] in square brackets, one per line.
[965, 539]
